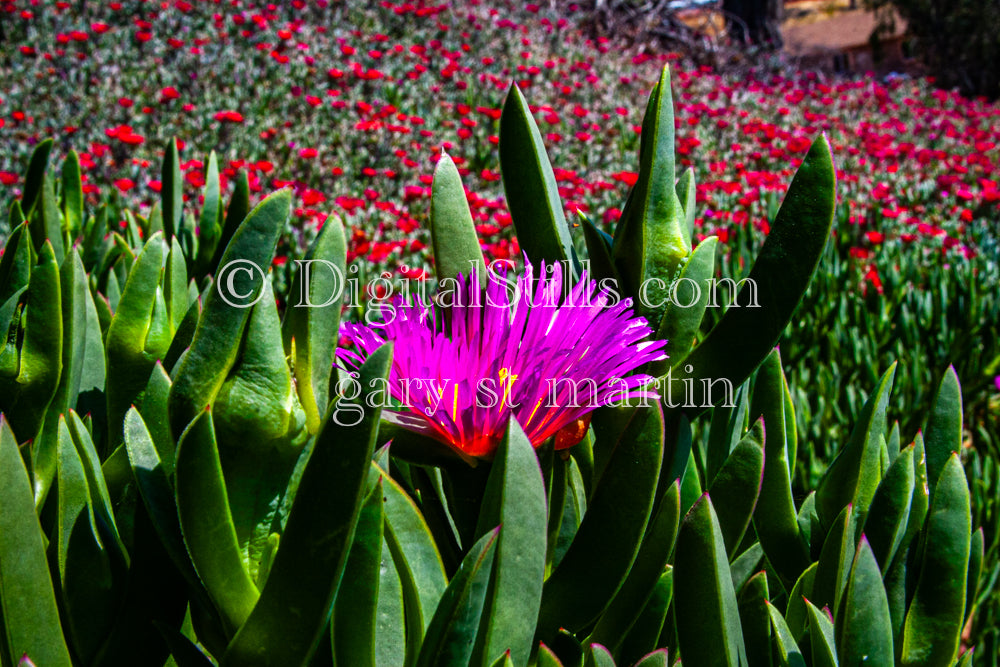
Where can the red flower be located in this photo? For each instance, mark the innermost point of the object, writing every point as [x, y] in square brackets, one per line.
[230, 116]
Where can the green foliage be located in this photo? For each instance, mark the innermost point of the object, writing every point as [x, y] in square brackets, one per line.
[204, 510]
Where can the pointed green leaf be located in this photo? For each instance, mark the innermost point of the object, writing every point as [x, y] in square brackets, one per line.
[775, 518]
[944, 426]
[209, 230]
[889, 513]
[133, 347]
[310, 562]
[452, 632]
[933, 629]
[312, 319]
[853, 476]
[651, 239]
[72, 194]
[737, 487]
[355, 612]
[598, 560]
[754, 619]
[530, 185]
[207, 523]
[36, 172]
[780, 275]
[171, 190]
[789, 654]
[216, 342]
[30, 617]
[635, 592]
[862, 624]
[688, 297]
[514, 500]
[453, 233]
[239, 207]
[708, 620]
[821, 636]
[598, 656]
[26, 397]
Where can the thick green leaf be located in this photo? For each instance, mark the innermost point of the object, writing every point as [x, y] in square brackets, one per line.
[34, 175]
[311, 326]
[390, 614]
[933, 629]
[681, 320]
[599, 261]
[209, 229]
[746, 565]
[789, 654]
[356, 608]
[514, 500]
[644, 635]
[944, 426]
[795, 612]
[45, 221]
[30, 617]
[546, 657]
[453, 233]
[157, 495]
[415, 557]
[90, 594]
[976, 556]
[172, 190]
[207, 524]
[26, 397]
[598, 560]
[635, 592]
[153, 408]
[598, 656]
[72, 194]
[651, 239]
[15, 264]
[220, 329]
[175, 285]
[687, 194]
[135, 341]
[862, 626]
[780, 275]
[775, 518]
[655, 659]
[318, 533]
[821, 636]
[754, 619]
[452, 632]
[889, 513]
[530, 185]
[854, 474]
[737, 487]
[239, 207]
[255, 406]
[708, 620]
[836, 558]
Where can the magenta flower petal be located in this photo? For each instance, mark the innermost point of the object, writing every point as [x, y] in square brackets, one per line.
[533, 349]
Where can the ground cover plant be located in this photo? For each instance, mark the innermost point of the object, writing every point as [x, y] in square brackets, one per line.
[355, 123]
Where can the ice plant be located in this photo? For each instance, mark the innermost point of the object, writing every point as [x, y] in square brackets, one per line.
[533, 350]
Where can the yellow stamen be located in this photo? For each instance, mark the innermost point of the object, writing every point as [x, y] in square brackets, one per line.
[537, 405]
[504, 373]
